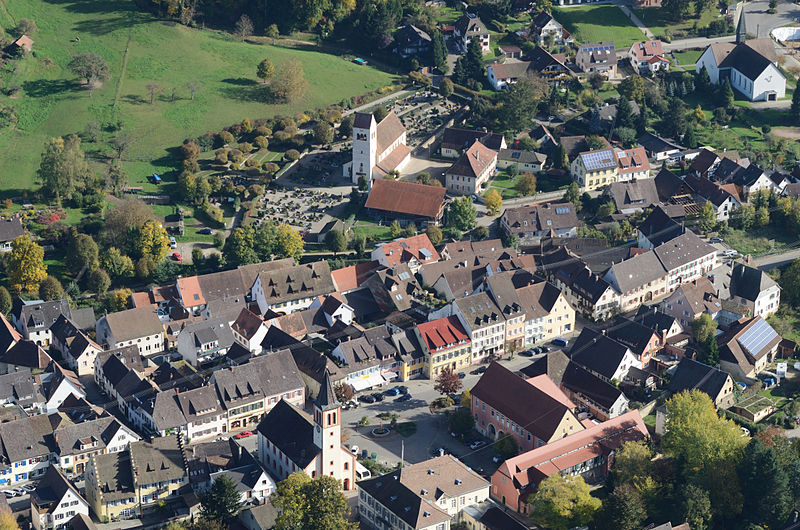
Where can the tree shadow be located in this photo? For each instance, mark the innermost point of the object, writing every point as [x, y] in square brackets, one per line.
[41, 88]
[240, 81]
[135, 99]
[249, 93]
[122, 12]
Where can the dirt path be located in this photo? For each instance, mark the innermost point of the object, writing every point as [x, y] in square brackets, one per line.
[124, 66]
[792, 133]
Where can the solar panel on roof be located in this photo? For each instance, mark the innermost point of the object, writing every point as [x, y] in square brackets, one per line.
[757, 337]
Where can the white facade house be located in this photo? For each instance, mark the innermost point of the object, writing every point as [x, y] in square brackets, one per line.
[482, 320]
[55, 502]
[293, 288]
[378, 148]
[249, 330]
[140, 326]
[252, 482]
[751, 66]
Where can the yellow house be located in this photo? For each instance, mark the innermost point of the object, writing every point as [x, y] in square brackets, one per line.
[548, 314]
[158, 470]
[594, 169]
[445, 344]
[110, 491]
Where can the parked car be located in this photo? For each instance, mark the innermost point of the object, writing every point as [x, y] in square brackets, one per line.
[561, 343]
[497, 459]
[10, 494]
[716, 239]
[402, 389]
[479, 370]
[19, 491]
[394, 391]
[366, 398]
[354, 449]
[29, 488]
[177, 256]
[730, 253]
[404, 397]
[527, 353]
[172, 243]
[378, 396]
[461, 375]
[544, 349]
[477, 444]
[243, 434]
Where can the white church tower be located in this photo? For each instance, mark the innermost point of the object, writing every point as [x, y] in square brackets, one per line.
[365, 146]
[333, 460]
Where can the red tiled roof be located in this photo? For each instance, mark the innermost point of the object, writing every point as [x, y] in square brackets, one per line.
[141, 299]
[394, 159]
[403, 250]
[632, 160]
[406, 198]
[442, 333]
[247, 323]
[190, 291]
[647, 49]
[349, 278]
[474, 161]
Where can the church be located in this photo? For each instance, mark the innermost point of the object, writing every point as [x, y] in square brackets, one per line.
[288, 441]
[751, 65]
[378, 148]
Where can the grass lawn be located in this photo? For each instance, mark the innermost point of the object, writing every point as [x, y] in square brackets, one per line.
[597, 23]
[658, 21]
[371, 230]
[687, 57]
[140, 50]
[786, 322]
[756, 241]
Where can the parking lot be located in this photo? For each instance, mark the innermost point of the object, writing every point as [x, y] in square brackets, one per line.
[431, 428]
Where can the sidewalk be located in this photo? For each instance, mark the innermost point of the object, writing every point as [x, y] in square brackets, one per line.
[634, 19]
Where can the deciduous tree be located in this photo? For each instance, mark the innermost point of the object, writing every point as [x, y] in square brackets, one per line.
[126, 215]
[446, 87]
[434, 234]
[506, 446]
[461, 421]
[336, 241]
[323, 133]
[5, 300]
[63, 168]
[462, 214]
[243, 27]
[288, 242]
[632, 87]
[265, 70]
[118, 266]
[447, 382]
[272, 32]
[98, 281]
[51, 289]
[493, 201]
[343, 392]
[290, 84]
[310, 503]
[25, 266]
[91, 67]
[152, 240]
[81, 252]
[526, 184]
[520, 103]
[563, 502]
[702, 327]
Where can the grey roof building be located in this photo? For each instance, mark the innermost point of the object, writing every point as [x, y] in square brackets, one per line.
[694, 375]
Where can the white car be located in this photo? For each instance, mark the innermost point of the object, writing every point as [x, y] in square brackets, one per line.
[354, 449]
[731, 253]
[172, 243]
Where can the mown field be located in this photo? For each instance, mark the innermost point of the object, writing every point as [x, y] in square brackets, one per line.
[598, 23]
[141, 50]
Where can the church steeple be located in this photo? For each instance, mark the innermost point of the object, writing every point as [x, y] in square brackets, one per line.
[741, 29]
[326, 399]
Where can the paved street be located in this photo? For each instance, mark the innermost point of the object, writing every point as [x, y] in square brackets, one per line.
[772, 261]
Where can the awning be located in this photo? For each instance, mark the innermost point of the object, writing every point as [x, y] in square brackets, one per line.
[367, 382]
[390, 375]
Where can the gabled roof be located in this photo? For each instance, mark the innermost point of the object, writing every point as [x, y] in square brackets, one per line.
[411, 35]
[26, 353]
[199, 403]
[683, 250]
[598, 353]
[291, 431]
[95, 435]
[704, 161]
[352, 277]
[537, 404]
[694, 375]
[710, 191]
[134, 323]
[406, 198]
[158, 461]
[470, 25]
[26, 438]
[632, 160]
[599, 159]
[557, 216]
[389, 130]
[646, 50]
[636, 272]
[656, 144]
[479, 310]
[634, 194]
[747, 339]
[659, 227]
[442, 333]
[51, 489]
[748, 60]
[474, 161]
[114, 476]
[749, 282]
[300, 281]
[38, 314]
[10, 229]
[247, 323]
[599, 52]
[459, 139]
[8, 334]
[190, 291]
[417, 247]
[632, 334]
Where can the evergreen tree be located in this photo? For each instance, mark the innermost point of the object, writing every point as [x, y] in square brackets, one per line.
[689, 139]
[640, 123]
[624, 114]
[796, 107]
[726, 95]
[474, 59]
[221, 501]
[765, 486]
[711, 350]
[703, 82]
[438, 50]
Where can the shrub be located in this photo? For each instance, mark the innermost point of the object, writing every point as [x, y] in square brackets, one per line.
[292, 155]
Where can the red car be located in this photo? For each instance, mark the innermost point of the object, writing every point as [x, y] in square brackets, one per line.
[177, 256]
[243, 434]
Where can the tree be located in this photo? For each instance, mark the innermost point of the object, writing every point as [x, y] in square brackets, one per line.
[26, 26]
[193, 86]
[152, 241]
[795, 110]
[697, 436]
[596, 80]
[493, 201]
[346, 126]
[606, 209]
[323, 133]
[438, 50]
[265, 70]
[447, 382]
[128, 214]
[633, 464]
[25, 265]
[81, 252]
[624, 509]
[461, 421]
[765, 486]
[689, 138]
[63, 168]
[165, 271]
[153, 89]
[434, 234]
[725, 95]
[632, 87]
[336, 241]
[480, 232]
[303, 502]
[116, 178]
[703, 327]
[761, 217]
[446, 87]
[520, 102]
[7, 521]
[343, 392]
[290, 84]
[51, 289]
[707, 217]
[506, 446]
[239, 247]
[676, 9]
[144, 267]
[462, 214]
[526, 184]
[118, 266]
[98, 281]
[5, 300]
[469, 65]
[243, 27]
[696, 507]
[272, 32]
[288, 242]
[380, 113]
[563, 502]
[745, 217]
[790, 283]
[91, 67]
[119, 300]
[221, 501]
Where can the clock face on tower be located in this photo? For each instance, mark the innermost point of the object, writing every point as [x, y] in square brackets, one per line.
[318, 429]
